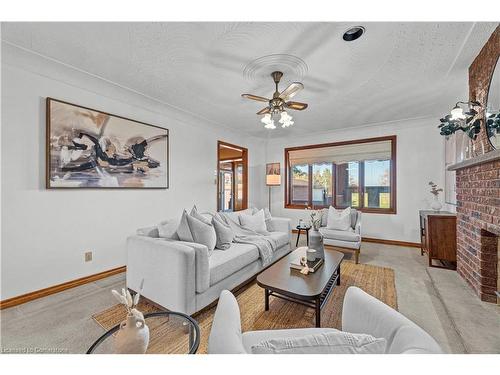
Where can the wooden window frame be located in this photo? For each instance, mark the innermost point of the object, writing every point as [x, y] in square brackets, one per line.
[288, 176]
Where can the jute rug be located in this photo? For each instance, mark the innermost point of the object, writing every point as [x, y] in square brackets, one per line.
[377, 281]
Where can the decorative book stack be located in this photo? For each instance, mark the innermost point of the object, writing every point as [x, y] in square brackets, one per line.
[296, 264]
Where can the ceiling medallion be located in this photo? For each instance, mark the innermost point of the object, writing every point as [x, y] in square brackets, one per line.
[277, 105]
[291, 66]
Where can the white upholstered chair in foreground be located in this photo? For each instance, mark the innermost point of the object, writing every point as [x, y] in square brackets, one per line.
[361, 313]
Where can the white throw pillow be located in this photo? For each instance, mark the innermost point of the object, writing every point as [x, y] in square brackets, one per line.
[256, 222]
[202, 232]
[183, 231]
[339, 220]
[336, 342]
[235, 215]
[195, 228]
[205, 217]
[168, 229]
[223, 231]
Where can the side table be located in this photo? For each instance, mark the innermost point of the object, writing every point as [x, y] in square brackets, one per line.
[305, 229]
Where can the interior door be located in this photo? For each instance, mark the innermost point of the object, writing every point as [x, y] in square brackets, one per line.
[226, 190]
[232, 177]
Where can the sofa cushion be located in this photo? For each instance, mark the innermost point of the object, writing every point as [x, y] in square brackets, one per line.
[323, 343]
[202, 232]
[223, 263]
[235, 216]
[183, 231]
[324, 217]
[204, 217]
[223, 231]
[255, 222]
[148, 232]
[340, 220]
[168, 229]
[252, 338]
[281, 238]
[340, 235]
[354, 217]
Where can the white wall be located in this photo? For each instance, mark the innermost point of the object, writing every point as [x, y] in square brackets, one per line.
[420, 159]
[46, 232]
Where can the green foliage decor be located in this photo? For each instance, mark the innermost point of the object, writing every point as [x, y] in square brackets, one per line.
[471, 126]
[493, 124]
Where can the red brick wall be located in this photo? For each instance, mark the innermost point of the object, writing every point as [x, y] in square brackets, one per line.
[478, 193]
[478, 225]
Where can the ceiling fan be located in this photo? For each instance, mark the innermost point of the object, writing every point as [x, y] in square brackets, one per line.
[279, 102]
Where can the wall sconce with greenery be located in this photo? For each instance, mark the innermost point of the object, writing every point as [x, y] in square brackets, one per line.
[458, 120]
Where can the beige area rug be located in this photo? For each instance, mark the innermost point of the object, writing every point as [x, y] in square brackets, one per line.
[170, 338]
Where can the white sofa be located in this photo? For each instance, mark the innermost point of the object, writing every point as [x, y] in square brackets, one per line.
[184, 276]
[361, 313]
[349, 239]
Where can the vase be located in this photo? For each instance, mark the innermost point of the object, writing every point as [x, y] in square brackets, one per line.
[436, 204]
[132, 337]
[316, 243]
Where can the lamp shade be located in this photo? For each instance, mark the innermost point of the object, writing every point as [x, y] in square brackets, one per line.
[273, 174]
[273, 180]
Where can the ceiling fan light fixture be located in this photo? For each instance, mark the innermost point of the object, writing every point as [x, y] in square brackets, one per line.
[353, 33]
[268, 121]
[275, 111]
[285, 120]
[266, 118]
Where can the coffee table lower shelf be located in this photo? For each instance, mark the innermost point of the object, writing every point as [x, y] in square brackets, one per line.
[316, 302]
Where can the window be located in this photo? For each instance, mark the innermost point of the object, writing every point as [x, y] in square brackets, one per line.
[322, 191]
[377, 189]
[300, 184]
[359, 174]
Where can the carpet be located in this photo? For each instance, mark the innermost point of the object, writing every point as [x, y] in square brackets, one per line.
[377, 281]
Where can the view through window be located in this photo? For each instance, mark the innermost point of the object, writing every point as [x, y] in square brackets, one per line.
[359, 174]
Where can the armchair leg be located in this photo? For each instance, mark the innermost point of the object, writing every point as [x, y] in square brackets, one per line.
[356, 256]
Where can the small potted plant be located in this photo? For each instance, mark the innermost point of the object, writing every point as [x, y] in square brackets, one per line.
[435, 205]
[315, 218]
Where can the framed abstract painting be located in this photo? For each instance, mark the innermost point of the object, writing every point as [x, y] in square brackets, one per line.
[88, 148]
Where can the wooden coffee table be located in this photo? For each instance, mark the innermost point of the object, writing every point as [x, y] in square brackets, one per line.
[311, 290]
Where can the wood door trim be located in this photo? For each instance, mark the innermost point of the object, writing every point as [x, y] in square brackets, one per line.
[245, 173]
[18, 300]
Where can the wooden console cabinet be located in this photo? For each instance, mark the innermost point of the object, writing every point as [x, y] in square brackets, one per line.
[438, 236]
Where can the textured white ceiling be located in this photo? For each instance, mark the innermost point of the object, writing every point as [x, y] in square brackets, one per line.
[395, 71]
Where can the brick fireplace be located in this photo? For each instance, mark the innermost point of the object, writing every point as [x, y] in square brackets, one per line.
[478, 192]
[478, 227]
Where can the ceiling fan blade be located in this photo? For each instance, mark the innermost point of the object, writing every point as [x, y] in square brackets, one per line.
[255, 97]
[296, 105]
[291, 90]
[263, 111]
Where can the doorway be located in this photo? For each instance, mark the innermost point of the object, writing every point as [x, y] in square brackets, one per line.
[232, 177]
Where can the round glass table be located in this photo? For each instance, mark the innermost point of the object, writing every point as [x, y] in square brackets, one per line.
[169, 333]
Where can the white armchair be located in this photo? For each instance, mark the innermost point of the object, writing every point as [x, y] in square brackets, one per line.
[361, 313]
[349, 239]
